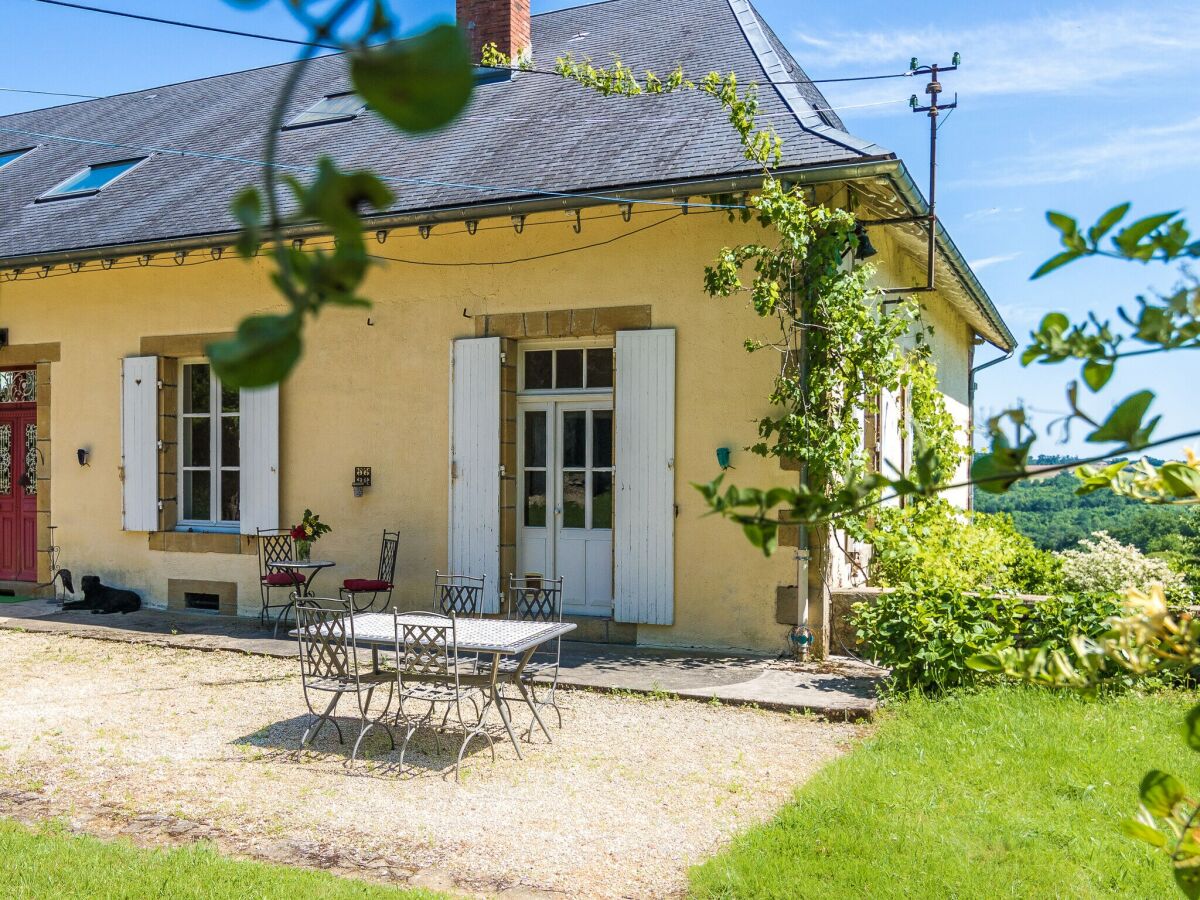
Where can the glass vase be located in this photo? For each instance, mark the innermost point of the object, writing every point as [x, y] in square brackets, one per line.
[303, 550]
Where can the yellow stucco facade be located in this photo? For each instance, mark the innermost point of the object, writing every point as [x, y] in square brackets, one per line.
[373, 388]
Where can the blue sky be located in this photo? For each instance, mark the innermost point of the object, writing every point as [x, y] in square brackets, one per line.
[1067, 106]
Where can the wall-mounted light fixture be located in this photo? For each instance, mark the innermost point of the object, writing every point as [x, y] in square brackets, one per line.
[83, 454]
[518, 223]
[723, 457]
[362, 479]
[381, 235]
[425, 230]
[472, 226]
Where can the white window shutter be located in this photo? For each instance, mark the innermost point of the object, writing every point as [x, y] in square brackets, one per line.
[139, 442]
[475, 463]
[259, 458]
[644, 530]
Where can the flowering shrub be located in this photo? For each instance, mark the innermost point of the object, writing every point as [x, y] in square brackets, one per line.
[1105, 565]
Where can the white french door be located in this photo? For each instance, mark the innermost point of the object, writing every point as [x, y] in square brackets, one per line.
[565, 498]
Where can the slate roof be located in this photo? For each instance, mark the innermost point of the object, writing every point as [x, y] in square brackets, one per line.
[533, 133]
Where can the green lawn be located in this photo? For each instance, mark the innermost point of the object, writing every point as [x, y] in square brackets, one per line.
[47, 863]
[1007, 793]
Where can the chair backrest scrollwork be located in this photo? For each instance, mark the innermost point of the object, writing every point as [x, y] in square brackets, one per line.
[459, 595]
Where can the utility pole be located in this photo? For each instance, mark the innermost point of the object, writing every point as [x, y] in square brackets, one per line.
[933, 90]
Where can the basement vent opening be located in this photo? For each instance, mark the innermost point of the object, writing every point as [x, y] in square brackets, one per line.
[206, 602]
[7, 592]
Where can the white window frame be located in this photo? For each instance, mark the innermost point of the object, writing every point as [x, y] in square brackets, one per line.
[587, 344]
[53, 193]
[216, 465]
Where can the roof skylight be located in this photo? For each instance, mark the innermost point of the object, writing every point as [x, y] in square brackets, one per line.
[7, 156]
[330, 108]
[91, 179]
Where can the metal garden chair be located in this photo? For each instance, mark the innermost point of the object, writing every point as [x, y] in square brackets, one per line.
[276, 544]
[329, 666]
[537, 599]
[459, 595]
[428, 671]
[382, 584]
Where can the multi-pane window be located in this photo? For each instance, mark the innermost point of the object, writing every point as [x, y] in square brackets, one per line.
[330, 108]
[8, 156]
[90, 180]
[209, 444]
[587, 469]
[570, 369]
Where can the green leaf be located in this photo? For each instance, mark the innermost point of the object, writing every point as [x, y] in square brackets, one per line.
[986, 662]
[1161, 792]
[1124, 424]
[1097, 372]
[1055, 262]
[1127, 239]
[1182, 480]
[1105, 223]
[1187, 879]
[1064, 223]
[247, 208]
[263, 352]
[1054, 323]
[1191, 728]
[1143, 832]
[419, 83]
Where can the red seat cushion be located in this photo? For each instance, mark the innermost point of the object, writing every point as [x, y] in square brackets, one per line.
[282, 579]
[366, 585]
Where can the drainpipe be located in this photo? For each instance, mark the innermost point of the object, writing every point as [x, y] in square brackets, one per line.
[971, 388]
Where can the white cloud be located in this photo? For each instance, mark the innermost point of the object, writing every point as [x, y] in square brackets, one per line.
[1066, 53]
[986, 262]
[1126, 153]
[993, 212]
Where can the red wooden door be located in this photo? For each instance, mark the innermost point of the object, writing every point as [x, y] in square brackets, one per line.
[18, 489]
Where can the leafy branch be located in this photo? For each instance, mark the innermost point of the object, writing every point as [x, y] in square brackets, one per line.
[417, 84]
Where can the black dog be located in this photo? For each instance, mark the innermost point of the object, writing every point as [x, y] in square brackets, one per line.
[101, 599]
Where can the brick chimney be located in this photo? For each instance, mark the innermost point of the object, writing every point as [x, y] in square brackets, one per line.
[502, 22]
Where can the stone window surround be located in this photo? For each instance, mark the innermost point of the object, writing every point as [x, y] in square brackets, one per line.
[170, 348]
[512, 327]
[39, 357]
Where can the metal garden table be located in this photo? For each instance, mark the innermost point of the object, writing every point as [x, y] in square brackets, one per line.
[297, 566]
[487, 637]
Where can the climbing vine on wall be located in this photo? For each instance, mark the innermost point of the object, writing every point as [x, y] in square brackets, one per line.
[839, 345]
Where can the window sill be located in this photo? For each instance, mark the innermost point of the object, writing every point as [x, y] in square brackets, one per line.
[225, 542]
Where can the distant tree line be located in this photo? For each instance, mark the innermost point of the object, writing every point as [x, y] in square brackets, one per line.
[1054, 517]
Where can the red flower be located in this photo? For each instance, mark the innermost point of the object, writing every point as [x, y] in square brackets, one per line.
[298, 533]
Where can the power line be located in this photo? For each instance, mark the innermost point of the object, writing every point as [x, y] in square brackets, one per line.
[301, 43]
[423, 182]
[230, 31]
[8, 90]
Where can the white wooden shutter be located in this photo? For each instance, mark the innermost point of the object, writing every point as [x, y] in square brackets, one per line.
[259, 458]
[475, 463]
[644, 530]
[139, 443]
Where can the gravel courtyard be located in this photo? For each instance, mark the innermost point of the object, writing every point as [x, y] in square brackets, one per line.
[174, 745]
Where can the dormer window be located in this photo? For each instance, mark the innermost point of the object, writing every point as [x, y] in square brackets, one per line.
[330, 108]
[8, 156]
[90, 180]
